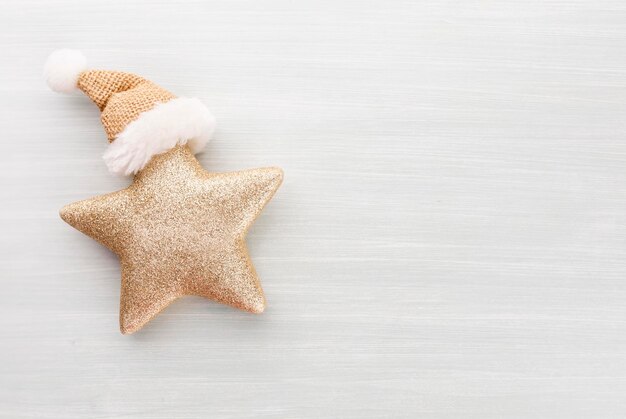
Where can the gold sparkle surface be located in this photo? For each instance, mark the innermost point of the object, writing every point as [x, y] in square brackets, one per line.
[179, 230]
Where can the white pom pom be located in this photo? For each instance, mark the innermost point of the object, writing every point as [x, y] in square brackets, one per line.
[62, 69]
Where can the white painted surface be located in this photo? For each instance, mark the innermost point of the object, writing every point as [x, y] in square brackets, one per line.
[449, 240]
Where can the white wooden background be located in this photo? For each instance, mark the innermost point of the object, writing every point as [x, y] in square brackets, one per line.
[449, 240]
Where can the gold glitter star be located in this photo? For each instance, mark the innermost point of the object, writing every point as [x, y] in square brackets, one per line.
[179, 230]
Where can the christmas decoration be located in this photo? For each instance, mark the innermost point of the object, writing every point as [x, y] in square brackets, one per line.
[177, 229]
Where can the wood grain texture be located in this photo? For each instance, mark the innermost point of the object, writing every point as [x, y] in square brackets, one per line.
[449, 240]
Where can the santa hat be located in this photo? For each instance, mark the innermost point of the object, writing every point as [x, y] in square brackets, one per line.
[140, 118]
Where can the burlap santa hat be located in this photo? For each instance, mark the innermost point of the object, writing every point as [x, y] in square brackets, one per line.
[140, 118]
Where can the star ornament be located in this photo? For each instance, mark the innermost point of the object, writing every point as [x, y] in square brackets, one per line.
[179, 230]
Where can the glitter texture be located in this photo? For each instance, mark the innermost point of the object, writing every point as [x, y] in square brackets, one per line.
[179, 230]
